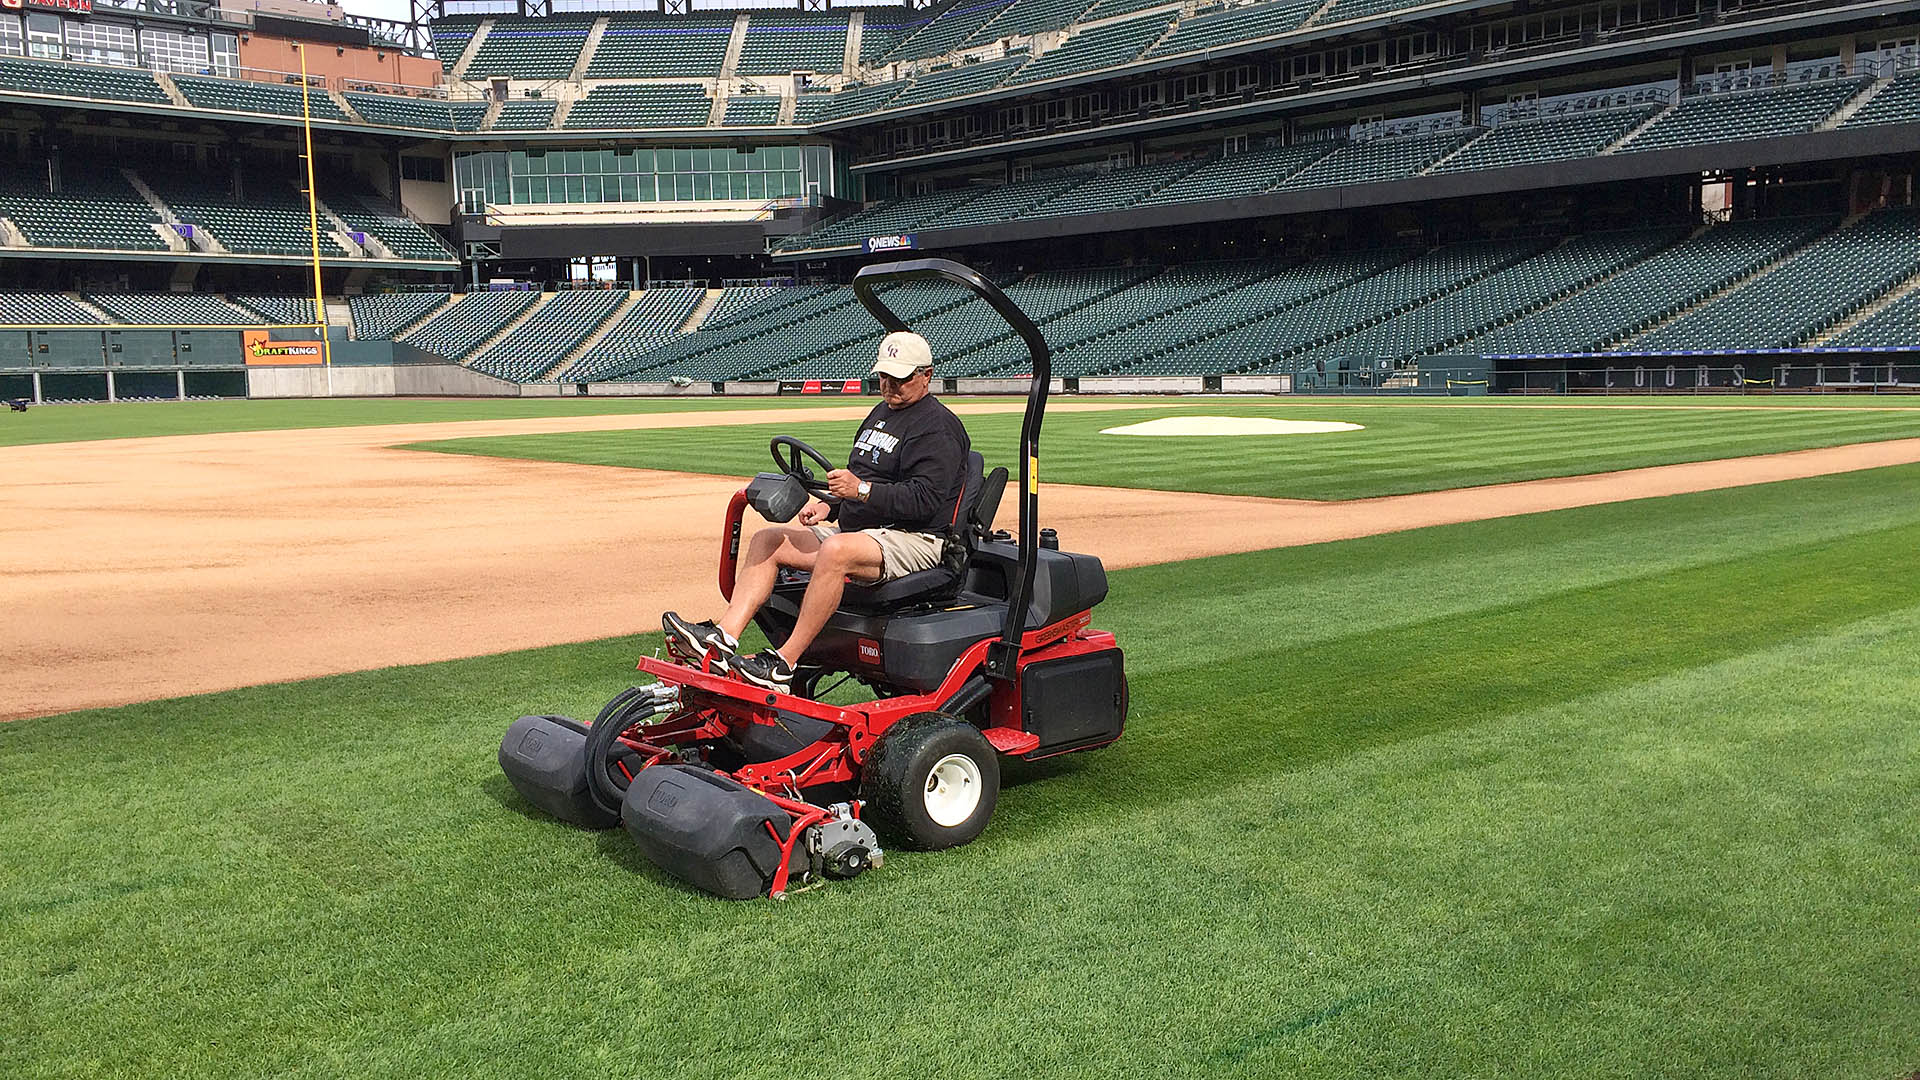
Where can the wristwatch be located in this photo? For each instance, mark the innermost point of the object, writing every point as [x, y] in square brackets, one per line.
[866, 489]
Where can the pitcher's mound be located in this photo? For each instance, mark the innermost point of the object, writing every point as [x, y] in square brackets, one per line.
[1230, 425]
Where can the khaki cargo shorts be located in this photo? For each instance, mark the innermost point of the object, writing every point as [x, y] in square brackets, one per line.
[901, 552]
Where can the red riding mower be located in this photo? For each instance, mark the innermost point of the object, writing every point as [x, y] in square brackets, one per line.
[746, 792]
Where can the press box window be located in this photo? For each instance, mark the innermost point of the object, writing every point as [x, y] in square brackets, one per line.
[429, 170]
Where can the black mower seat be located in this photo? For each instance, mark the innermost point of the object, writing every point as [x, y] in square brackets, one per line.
[979, 502]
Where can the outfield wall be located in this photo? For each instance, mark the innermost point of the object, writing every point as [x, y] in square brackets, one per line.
[377, 380]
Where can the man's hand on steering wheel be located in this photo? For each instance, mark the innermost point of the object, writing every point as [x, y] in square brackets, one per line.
[841, 483]
[814, 512]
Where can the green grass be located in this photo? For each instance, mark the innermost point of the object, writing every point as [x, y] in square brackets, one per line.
[1622, 791]
[134, 420]
[1405, 448]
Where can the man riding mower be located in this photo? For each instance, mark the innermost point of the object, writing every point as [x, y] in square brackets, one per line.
[748, 789]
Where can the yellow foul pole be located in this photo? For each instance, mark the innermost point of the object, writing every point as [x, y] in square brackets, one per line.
[313, 220]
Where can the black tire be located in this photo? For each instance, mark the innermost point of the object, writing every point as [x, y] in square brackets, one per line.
[605, 780]
[931, 782]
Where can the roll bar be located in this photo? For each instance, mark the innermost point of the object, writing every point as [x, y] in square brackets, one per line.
[1003, 656]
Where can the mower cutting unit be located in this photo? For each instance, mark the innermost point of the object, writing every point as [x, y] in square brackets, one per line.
[747, 792]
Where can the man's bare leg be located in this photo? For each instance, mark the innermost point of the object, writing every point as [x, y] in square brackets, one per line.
[768, 551]
[841, 556]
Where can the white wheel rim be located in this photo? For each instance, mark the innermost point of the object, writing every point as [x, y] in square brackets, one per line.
[953, 790]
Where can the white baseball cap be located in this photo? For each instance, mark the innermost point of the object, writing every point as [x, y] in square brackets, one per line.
[901, 354]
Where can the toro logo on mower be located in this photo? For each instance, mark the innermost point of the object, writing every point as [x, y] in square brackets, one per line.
[869, 651]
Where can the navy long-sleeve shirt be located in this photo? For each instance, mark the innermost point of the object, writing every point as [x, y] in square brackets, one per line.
[915, 458]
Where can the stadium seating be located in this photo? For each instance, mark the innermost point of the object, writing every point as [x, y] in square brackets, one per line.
[524, 114]
[1265, 345]
[43, 308]
[1174, 341]
[542, 48]
[1816, 287]
[1898, 102]
[450, 35]
[652, 320]
[1115, 190]
[553, 330]
[196, 309]
[966, 335]
[883, 30]
[458, 329]
[239, 95]
[859, 100]
[1235, 24]
[808, 107]
[1242, 174]
[379, 316]
[662, 47]
[707, 353]
[1137, 319]
[752, 110]
[957, 82]
[947, 30]
[1009, 201]
[1028, 17]
[629, 106]
[1345, 10]
[885, 219]
[1107, 9]
[1548, 138]
[405, 237]
[1091, 50]
[737, 300]
[1650, 290]
[69, 80]
[743, 305]
[95, 208]
[271, 220]
[1370, 161]
[781, 42]
[396, 111]
[286, 310]
[1748, 114]
[1892, 327]
[469, 115]
[1496, 298]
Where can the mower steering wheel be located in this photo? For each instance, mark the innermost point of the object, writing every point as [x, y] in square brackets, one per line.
[791, 464]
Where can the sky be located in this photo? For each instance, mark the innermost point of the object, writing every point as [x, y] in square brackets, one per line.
[378, 9]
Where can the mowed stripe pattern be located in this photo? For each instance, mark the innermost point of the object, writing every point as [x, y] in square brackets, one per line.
[1403, 449]
[1612, 791]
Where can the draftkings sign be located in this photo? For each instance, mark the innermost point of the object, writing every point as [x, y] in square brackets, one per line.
[261, 349]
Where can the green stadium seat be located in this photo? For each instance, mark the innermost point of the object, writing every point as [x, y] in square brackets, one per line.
[637, 46]
[777, 43]
[535, 48]
[379, 316]
[612, 105]
[240, 95]
[554, 329]
[455, 331]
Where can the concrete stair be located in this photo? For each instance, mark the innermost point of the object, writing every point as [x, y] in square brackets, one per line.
[473, 46]
[586, 52]
[593, 339]
[1854, 105]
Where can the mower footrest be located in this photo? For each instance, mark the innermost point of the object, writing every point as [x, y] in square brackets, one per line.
[1010, 740]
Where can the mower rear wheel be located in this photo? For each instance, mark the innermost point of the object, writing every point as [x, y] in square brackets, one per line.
[931, 782]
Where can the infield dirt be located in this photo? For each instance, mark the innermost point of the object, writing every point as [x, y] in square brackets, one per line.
[137, 569]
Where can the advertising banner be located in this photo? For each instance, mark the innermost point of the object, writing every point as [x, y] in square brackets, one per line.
[904, 242]
[262, 350]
